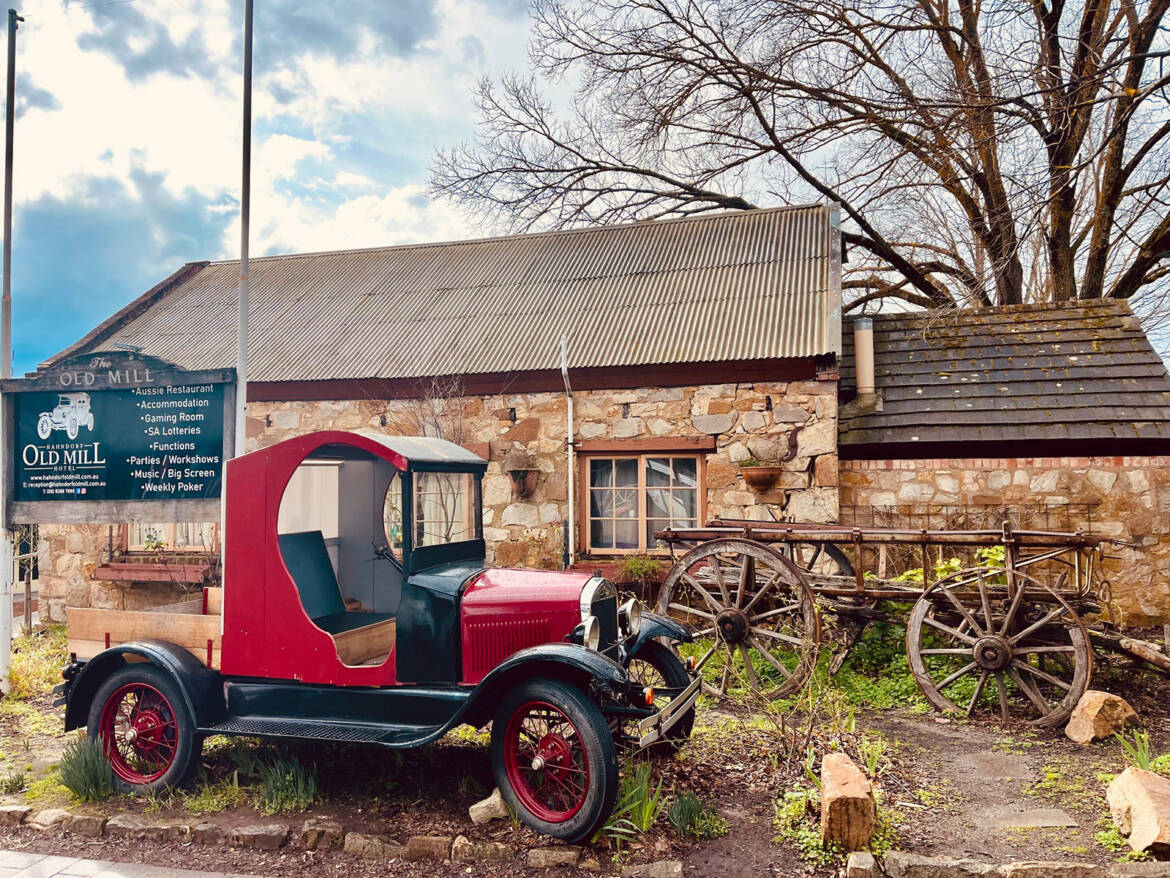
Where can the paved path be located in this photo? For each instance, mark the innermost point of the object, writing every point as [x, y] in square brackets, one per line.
[16, 864]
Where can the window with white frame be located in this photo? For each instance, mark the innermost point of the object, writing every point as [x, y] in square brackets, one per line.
[632, 496]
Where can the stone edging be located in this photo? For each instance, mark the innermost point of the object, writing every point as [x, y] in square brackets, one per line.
[898, 864]
[316, 833]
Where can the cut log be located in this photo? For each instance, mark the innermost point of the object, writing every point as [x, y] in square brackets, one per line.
[848, 808]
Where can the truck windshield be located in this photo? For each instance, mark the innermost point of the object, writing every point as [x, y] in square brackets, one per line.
[446, 508]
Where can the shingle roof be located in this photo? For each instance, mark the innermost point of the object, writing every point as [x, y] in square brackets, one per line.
[735, 286]
[1081, 371]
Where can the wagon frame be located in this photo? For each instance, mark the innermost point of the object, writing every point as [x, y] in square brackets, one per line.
[1004, 636]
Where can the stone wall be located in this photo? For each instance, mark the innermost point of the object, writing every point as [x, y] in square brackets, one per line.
[745, 420]
[67, 559]
[1127, 498]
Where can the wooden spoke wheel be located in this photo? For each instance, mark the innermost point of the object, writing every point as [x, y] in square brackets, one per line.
[990, 640]
[749, 603]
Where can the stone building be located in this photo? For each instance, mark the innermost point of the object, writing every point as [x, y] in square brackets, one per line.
[1055, 417]
[692, 347]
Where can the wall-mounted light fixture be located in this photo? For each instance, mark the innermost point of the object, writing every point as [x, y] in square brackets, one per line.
[521, 468]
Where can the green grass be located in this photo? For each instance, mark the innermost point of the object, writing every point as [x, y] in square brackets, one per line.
[209, 797]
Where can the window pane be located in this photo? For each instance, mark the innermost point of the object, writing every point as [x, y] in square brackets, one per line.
[392, 517]
[601, 473]
[683, 504]
[657, 472]
[626, 534]
[626, 473]
[652, 525]
[444, 508]
[625, 504]
[601, 534]
[658, 503]
[686, 472]
[601, 503]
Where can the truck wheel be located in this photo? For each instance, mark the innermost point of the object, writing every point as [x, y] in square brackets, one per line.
[71, 428]
[44, 426]
[145, 728]
[554, 759]
[656, 665]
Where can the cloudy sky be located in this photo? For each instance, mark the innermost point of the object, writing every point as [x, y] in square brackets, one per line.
[128, 137]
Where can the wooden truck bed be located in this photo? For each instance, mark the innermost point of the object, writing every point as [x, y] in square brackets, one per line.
[194, 624]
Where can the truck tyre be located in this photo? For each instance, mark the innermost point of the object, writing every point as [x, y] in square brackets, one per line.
[71, 428]
[44, 426]
[657, 665]
[554, 759]
[145, 728]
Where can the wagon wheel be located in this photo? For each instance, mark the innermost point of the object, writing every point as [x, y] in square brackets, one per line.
[751, 602]
[990, 639]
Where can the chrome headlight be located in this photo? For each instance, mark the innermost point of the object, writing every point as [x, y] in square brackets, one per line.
[592, 636]
[630, 616]
[595, 589]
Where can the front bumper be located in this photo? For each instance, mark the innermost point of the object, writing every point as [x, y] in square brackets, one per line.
[654, 728]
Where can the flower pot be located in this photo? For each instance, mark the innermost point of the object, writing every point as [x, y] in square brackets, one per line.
[761, 478]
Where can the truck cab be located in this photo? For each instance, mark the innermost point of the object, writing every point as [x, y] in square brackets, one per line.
[357, 605]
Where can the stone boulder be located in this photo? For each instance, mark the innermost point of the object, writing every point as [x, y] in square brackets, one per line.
[1098, 715]
[491, 808]
[848, 808]
[1140, 803]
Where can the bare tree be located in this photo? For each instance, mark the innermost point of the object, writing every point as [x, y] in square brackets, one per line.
[982, 152]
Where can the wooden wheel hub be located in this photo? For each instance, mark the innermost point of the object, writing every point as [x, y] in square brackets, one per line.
[992, 653]
[733, 625]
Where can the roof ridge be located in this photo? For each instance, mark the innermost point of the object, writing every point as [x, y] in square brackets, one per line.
[600, 227]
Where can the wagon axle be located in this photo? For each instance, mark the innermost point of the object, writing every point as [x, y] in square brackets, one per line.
[993, 653]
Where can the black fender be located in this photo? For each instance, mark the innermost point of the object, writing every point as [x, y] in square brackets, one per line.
[201, 687]
[654, 626]
[596, 674]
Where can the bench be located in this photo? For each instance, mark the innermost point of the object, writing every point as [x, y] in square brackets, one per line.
[360, 637]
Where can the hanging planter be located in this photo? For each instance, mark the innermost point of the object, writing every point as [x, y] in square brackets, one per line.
[760, 476]
[523, 471]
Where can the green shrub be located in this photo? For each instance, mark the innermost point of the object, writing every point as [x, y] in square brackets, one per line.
[86, 771]
[642, 569]
[287, 785]
[37, 660]
[689, 816]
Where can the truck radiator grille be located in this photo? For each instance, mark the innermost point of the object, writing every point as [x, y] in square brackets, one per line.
[489, 643]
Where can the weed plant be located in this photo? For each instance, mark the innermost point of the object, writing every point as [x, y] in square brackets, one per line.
[1137, 751]
[638, 808]
[86, 772]
[286, 784]
[12, 783]
[690, 817]
[37, 660]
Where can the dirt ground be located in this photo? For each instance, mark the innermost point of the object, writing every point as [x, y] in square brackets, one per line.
[946, 787]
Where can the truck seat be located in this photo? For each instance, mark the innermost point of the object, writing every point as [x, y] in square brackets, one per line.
[359, 636]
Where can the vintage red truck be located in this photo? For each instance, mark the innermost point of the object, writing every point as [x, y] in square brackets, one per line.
[390, 633]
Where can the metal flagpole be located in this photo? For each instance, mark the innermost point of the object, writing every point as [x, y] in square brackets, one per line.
[245, 211]
[6, 535]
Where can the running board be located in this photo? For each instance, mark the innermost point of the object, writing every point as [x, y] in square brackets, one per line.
[386, 735]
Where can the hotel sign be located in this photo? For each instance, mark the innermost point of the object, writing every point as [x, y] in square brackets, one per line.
[122, 427]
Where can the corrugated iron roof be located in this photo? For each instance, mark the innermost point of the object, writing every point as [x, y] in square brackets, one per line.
[1079, 371]
[735, 286]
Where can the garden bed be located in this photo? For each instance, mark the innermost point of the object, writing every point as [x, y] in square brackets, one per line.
[751, 767]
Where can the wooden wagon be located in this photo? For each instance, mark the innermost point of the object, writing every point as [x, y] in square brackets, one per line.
[1010, 629]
